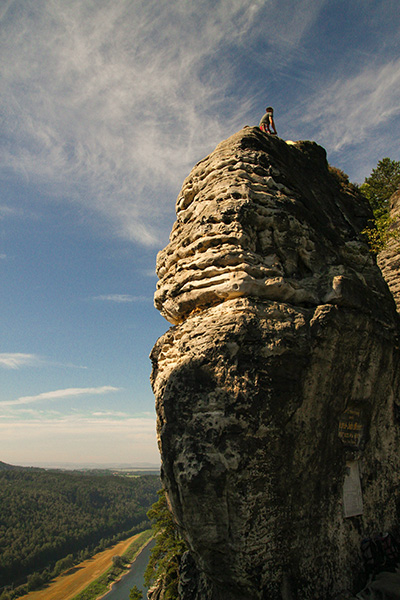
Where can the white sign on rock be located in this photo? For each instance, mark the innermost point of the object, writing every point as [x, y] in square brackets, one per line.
[352, 494]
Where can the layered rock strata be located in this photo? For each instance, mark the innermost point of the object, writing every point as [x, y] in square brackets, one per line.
[278, 377]
[389, 259]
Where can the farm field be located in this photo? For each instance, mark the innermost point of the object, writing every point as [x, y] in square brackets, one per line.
[73, 581]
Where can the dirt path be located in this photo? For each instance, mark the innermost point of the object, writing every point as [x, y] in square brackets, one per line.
[69, 584]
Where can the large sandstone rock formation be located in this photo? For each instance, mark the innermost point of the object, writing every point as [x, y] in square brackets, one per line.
[278, 378]
[389, 259]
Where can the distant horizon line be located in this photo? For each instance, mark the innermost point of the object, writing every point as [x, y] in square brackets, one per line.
[138, 466]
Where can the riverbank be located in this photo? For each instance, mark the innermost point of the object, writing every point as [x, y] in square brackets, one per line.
[102, 585]
[134, 577]
[74, 582]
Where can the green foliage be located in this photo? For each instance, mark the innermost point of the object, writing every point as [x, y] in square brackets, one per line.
[339, 174]
[63, 565]
[342, 179]
[380, 233]
[135, 594]
[167, 552]
[134, 548]
[34, 581]
[378, 188]
[51, 520]
[381, 185]
[118, 561]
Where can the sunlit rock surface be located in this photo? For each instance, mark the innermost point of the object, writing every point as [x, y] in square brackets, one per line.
[283, 322]
[389, 259]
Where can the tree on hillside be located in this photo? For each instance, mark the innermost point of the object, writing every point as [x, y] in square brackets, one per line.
[35, 581]
[378, 188]
[166, 555]
[118, 562]
[52, 520]
[135, 594]
[381, 185]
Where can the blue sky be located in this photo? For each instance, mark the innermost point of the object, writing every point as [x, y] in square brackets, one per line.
[105, 107]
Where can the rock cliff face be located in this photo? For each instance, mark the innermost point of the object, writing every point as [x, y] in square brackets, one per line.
[389, 260]
[278, 380]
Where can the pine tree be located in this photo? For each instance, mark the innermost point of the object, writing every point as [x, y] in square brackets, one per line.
[135, 594]
[167, 552]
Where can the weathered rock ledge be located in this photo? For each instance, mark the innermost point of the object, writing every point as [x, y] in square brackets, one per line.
[279, 377]
[263, 219]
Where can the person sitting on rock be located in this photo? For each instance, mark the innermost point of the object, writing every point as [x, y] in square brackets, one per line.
[267, 121]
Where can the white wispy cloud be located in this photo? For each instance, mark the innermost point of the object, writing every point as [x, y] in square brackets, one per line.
[16, 360]
[349, 109]
[149, 273]
[122, 298]
[110, 413]
[9, 211]
[111, 103]
[60, 395]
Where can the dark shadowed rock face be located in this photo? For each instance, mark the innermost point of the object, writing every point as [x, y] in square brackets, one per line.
[283, 323]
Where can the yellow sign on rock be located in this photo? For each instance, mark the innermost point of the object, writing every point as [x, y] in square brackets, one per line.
[351, 428]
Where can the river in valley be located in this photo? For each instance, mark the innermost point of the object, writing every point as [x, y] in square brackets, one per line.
[120, 590]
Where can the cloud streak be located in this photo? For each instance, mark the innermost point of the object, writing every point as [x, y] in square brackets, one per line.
[110, 103]
[345, 111]
[122, 298]
[60, 395]
[18, 360]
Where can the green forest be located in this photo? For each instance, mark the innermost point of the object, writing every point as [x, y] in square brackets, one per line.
[51, 518]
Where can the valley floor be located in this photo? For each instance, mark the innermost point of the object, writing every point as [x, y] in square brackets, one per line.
[70, 583]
